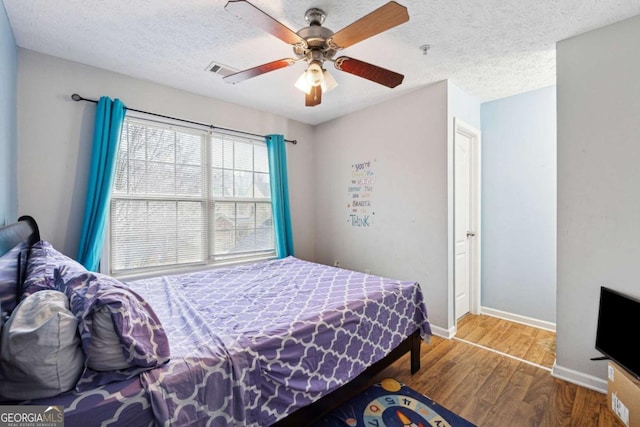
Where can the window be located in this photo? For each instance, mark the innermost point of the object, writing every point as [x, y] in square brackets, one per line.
[186, 197]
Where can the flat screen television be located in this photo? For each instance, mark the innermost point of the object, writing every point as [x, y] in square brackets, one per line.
[616, 335]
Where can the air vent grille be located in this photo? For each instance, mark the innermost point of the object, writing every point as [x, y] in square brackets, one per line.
[217, 68]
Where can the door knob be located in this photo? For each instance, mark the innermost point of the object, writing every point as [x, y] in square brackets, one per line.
[470, 234]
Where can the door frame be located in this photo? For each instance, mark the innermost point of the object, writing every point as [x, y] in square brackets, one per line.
[475, 189]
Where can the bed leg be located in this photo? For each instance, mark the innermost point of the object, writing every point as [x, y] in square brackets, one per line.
[415, 352]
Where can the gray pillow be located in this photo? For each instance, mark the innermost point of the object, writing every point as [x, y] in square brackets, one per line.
[105, 350]
[41, 354]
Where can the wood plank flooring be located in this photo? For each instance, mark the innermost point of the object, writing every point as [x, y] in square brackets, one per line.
[474, 376]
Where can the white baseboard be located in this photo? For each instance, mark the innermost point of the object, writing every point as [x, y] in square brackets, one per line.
[579, 378]
[442, 332]
[529, 321]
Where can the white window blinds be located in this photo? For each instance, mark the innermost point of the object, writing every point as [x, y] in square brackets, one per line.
[186, 197]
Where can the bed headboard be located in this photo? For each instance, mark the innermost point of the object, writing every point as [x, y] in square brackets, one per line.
[11, 235]
[15, 241]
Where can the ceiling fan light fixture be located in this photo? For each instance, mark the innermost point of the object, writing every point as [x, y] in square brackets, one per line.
[328, 82]
[303, 84]
[314, 74]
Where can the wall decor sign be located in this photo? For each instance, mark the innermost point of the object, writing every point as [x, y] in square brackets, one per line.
[360, 191]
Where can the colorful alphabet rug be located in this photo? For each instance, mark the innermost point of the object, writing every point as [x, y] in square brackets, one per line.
[392, 404]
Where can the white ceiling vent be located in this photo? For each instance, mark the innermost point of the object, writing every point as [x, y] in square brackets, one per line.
[223, 70]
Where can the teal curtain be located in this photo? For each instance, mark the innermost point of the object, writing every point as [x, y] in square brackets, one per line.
[106, 137]
[280, 194]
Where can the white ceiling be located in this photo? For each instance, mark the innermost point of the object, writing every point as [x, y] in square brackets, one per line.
[488, 48]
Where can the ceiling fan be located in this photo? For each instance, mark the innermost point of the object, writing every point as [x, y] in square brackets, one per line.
[316, 44]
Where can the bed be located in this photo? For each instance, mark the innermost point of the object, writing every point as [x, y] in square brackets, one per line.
[278, 342]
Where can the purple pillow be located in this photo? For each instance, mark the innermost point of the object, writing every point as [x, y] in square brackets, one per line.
[42, 262]
[141, 337]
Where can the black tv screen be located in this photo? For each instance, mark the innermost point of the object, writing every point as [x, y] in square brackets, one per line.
[618, 319]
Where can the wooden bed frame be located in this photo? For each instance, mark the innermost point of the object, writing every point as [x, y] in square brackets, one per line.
[25, 232]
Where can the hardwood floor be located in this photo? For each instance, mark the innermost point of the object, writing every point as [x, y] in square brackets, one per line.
[477, 375]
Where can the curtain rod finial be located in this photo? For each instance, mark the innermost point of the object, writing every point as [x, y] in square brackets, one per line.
[76, 97]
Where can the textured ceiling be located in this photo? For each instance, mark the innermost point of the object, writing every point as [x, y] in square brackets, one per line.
[488, 48]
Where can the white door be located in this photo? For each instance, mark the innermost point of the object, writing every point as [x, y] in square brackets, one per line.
[466, 219]
[462, 225]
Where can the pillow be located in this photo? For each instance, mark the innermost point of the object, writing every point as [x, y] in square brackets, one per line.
[41, 354]
[105, 352]
[42, 261]
[111, 315]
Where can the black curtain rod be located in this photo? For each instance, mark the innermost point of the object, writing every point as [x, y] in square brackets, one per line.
[78, 98]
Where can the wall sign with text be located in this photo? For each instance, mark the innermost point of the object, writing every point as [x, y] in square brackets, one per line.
[360, 193]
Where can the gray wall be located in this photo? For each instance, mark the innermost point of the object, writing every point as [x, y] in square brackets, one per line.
[519, 205]
[8, 140]
[55, 136]
[407, 140]
[598, 85]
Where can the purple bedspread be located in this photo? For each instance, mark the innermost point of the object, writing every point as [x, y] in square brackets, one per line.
[117, 404]
[253, 343]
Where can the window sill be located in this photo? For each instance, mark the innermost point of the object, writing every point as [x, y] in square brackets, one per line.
[166, 272]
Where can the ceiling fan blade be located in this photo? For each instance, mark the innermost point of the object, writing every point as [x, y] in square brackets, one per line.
[381, 19]
[256, 71]
[245, 10]
[368, 71]
[314, 97]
